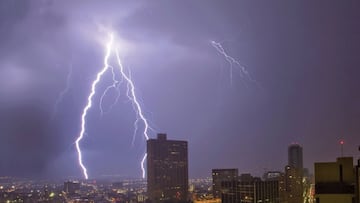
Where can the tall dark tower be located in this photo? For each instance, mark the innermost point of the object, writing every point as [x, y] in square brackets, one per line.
[294, 174]
[295, 156]
[167, 170]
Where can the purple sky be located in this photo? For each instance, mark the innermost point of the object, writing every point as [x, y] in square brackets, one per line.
[303, 54]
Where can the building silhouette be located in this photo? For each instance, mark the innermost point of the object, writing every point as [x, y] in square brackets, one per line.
[167, 170]
[221, 175]
[295, 156]
[294, 175]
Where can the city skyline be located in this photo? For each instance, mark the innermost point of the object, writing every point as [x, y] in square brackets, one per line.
[297, 83]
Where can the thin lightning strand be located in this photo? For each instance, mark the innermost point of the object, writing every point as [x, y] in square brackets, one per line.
[64, 91]
[232, 61]
[89, 104]
[118, 94]
[113, 85]
[135, 109]
[132, 96]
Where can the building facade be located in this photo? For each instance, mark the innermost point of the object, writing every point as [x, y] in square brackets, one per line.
[248, 189]
[335, 181]
[294, 173]
[221, 175]
[167, 170]
[293, 185]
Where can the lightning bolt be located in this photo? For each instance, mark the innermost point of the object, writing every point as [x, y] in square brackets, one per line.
[64, 91]
[131, 94]
[113, 85]
[233, 62]
[136, 105]
[89, 104]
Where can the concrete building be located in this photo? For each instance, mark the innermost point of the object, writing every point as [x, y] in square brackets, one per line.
[167, 169]
[335, 181]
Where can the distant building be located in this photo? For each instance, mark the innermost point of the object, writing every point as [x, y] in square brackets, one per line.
[221, 175]
[357, 175]
[266, 191]
[295, 156]
[167, 169]
[71, 187]
[280, 178]
[293, 185]
[335, 181]
[272, 175]
[230, 192]
[294, 175]
[248, 189]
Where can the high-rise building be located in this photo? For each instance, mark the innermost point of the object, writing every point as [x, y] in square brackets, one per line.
[167, 170]
[294, 175]
[221, 175]
[335, 181]
[295, 156]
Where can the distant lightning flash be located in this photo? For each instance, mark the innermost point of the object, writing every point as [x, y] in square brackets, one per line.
[232, 61]
[131, 94]
[64, 91]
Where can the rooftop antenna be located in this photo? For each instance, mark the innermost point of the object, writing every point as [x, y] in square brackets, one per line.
[342, 147]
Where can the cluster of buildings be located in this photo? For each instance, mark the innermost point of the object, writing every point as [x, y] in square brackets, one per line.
[167, 168]
[168, 182]
[334, 182]
[273, 187]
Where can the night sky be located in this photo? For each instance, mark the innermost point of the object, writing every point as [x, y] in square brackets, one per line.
[304, 56]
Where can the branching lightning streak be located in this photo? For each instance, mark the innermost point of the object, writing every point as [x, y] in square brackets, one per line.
[64, 91]
[232, 61]
[89, 104]
[113, 85]
[118, 94]
[130, 94]
[137, 107]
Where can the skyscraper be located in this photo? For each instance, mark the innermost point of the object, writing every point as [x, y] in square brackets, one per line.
[167, 169]
[294, 174]
[295, 156]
